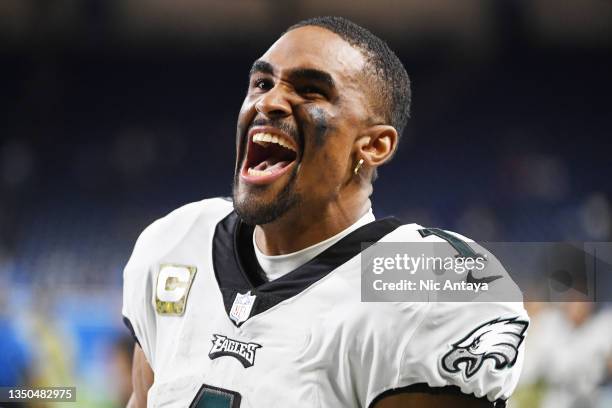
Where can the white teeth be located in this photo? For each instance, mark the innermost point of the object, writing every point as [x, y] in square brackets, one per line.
[258, 173]
[265, 138]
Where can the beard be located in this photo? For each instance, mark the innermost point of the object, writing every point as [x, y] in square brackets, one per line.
[254, 211]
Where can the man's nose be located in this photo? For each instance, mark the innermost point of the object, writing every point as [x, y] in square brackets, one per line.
[274, 103]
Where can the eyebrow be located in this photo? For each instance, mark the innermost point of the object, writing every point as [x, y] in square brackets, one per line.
[312, 74]
[262, 67]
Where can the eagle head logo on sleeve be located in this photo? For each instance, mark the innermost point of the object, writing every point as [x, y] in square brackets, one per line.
[497, 340]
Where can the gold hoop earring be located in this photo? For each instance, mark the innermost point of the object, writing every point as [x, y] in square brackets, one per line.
[358, 166]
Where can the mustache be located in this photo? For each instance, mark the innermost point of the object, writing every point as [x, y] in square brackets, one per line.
[287, 128]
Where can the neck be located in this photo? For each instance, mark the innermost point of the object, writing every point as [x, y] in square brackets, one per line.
[303, 227]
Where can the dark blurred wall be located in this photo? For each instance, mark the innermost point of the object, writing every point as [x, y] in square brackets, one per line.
[114, 113]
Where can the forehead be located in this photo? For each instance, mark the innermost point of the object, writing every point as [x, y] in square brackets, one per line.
[318, 48]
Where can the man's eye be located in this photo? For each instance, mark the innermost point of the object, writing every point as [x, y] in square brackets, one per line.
[311, 90]
[262, 84]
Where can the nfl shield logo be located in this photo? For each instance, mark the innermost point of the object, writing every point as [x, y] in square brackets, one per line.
[241, 309]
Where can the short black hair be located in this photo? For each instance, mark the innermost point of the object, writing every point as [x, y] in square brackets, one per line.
[391, 82]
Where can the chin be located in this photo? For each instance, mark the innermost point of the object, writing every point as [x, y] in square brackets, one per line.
[254, 209]
[263, 204]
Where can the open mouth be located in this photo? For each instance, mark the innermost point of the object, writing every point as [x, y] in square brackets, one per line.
[269, 156]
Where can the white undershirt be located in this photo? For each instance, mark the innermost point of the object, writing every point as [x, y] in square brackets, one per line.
[275, 266]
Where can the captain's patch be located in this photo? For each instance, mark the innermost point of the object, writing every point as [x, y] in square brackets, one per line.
[172, 288]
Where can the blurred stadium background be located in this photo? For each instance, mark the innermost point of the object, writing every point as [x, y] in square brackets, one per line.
[113, 113]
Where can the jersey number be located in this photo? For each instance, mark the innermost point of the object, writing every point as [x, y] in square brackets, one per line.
[464, 250]
[214, 397]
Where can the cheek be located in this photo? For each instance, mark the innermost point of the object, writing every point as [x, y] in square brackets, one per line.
[245, 117]
[318, 123]
[327, 144]
[321, 125]
[247, 111]
[325, 172]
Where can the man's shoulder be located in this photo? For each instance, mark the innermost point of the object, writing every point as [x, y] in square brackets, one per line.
[167, 230]
[434, 316]
[210, 207]
[184, 216]
[473, 262]
[417, 232]
[458, 244]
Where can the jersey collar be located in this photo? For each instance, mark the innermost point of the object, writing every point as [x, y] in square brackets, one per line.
[237, 271]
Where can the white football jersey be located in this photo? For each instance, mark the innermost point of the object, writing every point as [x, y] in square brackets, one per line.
[218, 335]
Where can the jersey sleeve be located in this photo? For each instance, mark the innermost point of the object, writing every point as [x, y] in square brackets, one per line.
[471, 346]
[474, 348]
[138, 313]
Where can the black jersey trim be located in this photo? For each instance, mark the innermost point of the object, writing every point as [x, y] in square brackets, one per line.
[237, 270]
[128, 324]
[424, 388]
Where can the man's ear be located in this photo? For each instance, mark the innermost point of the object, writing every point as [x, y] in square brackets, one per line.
[377, 145]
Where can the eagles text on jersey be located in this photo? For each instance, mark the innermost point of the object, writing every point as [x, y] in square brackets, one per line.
[217, 334]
